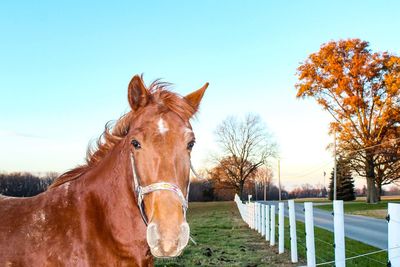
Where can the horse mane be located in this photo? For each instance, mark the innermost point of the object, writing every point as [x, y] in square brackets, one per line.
[160, 95]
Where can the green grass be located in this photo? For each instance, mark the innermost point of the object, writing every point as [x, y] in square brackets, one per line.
[223, 239]
[325, 251]
[350, 207]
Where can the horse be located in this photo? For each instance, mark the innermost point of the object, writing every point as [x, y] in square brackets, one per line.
[126, 204]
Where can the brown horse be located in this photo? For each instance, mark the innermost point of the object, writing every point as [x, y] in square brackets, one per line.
[96, 214]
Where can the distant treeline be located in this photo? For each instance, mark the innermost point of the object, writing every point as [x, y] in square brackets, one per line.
[213, 190]
[24, 184]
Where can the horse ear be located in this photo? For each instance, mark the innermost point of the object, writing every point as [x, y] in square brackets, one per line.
[194, 98]
[138, 95]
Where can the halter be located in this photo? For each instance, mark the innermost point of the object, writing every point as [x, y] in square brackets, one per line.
[141, 191]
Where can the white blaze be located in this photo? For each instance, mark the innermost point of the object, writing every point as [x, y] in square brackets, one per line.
[161, 126]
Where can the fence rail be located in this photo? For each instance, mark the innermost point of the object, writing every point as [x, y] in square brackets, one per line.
[261, 217]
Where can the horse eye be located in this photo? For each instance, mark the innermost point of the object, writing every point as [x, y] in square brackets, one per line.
[190, 145]
[136, 144]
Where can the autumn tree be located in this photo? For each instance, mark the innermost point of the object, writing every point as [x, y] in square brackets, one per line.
[361, 90]
[387, 170]
[245, 146]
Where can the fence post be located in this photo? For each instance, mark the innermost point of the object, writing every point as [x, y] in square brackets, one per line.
[267, 222]
[394, 234]
[251, 218]
[310, 245]
[272, 226]
[258, 217]
[248, 214]
[262, 219]
[338, 221]
[293, 234]
[255, 216]
[281, 227]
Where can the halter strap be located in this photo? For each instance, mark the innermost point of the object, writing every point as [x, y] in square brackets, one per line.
[143, 190]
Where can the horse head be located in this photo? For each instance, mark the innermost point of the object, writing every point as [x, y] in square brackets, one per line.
[160, 142]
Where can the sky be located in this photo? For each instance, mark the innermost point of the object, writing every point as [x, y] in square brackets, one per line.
[65, 67]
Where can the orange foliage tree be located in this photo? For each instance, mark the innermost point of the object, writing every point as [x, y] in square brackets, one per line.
[361, 90]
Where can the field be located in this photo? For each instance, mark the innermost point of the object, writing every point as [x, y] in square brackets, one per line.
[324, 248]
[378, 210]
[359, 199]
[223, 239]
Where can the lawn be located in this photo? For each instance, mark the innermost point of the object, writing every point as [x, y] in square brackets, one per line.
[324, 247]
[378, 210]
[223, 239]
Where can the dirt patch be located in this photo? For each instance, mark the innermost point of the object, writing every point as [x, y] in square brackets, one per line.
[379, 214]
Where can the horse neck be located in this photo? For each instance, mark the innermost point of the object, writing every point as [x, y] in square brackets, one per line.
[111, 194]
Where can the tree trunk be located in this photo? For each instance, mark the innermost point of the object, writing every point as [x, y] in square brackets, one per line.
[265, 191]
[255, 190]
[379, 191]
[372, 196]
[241, 187]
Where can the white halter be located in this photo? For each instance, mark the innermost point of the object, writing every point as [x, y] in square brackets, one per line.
[143, 190]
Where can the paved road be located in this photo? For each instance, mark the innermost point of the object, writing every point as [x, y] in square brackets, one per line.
[365, 229]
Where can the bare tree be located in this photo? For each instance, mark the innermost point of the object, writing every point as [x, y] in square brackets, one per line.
[245, 146]
[264, 176]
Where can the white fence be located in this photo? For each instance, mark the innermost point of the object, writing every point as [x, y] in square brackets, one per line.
[261, 218]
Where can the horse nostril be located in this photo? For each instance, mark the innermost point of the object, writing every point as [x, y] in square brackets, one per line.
[184, 236]
[152, 235]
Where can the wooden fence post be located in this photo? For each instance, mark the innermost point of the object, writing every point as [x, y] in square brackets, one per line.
[310, 243]
[262, 220]
[338, 224]
[267, 222]
[259, 218]
[251, 211]
[255, 216]
[272, 226]
[248, 213]
[293, 233]
[281, 227]
[394, 234]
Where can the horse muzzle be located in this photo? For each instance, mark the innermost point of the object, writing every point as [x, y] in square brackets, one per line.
[170, 245]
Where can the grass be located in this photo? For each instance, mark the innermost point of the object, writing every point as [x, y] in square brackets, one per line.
[362, 208]
[357, 207]
[359, 199]
[223, 239]
[325, 250]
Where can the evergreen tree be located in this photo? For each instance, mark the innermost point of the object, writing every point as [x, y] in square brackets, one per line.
[345, 182]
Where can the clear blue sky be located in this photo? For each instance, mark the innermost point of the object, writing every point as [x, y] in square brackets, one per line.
[65, 66]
